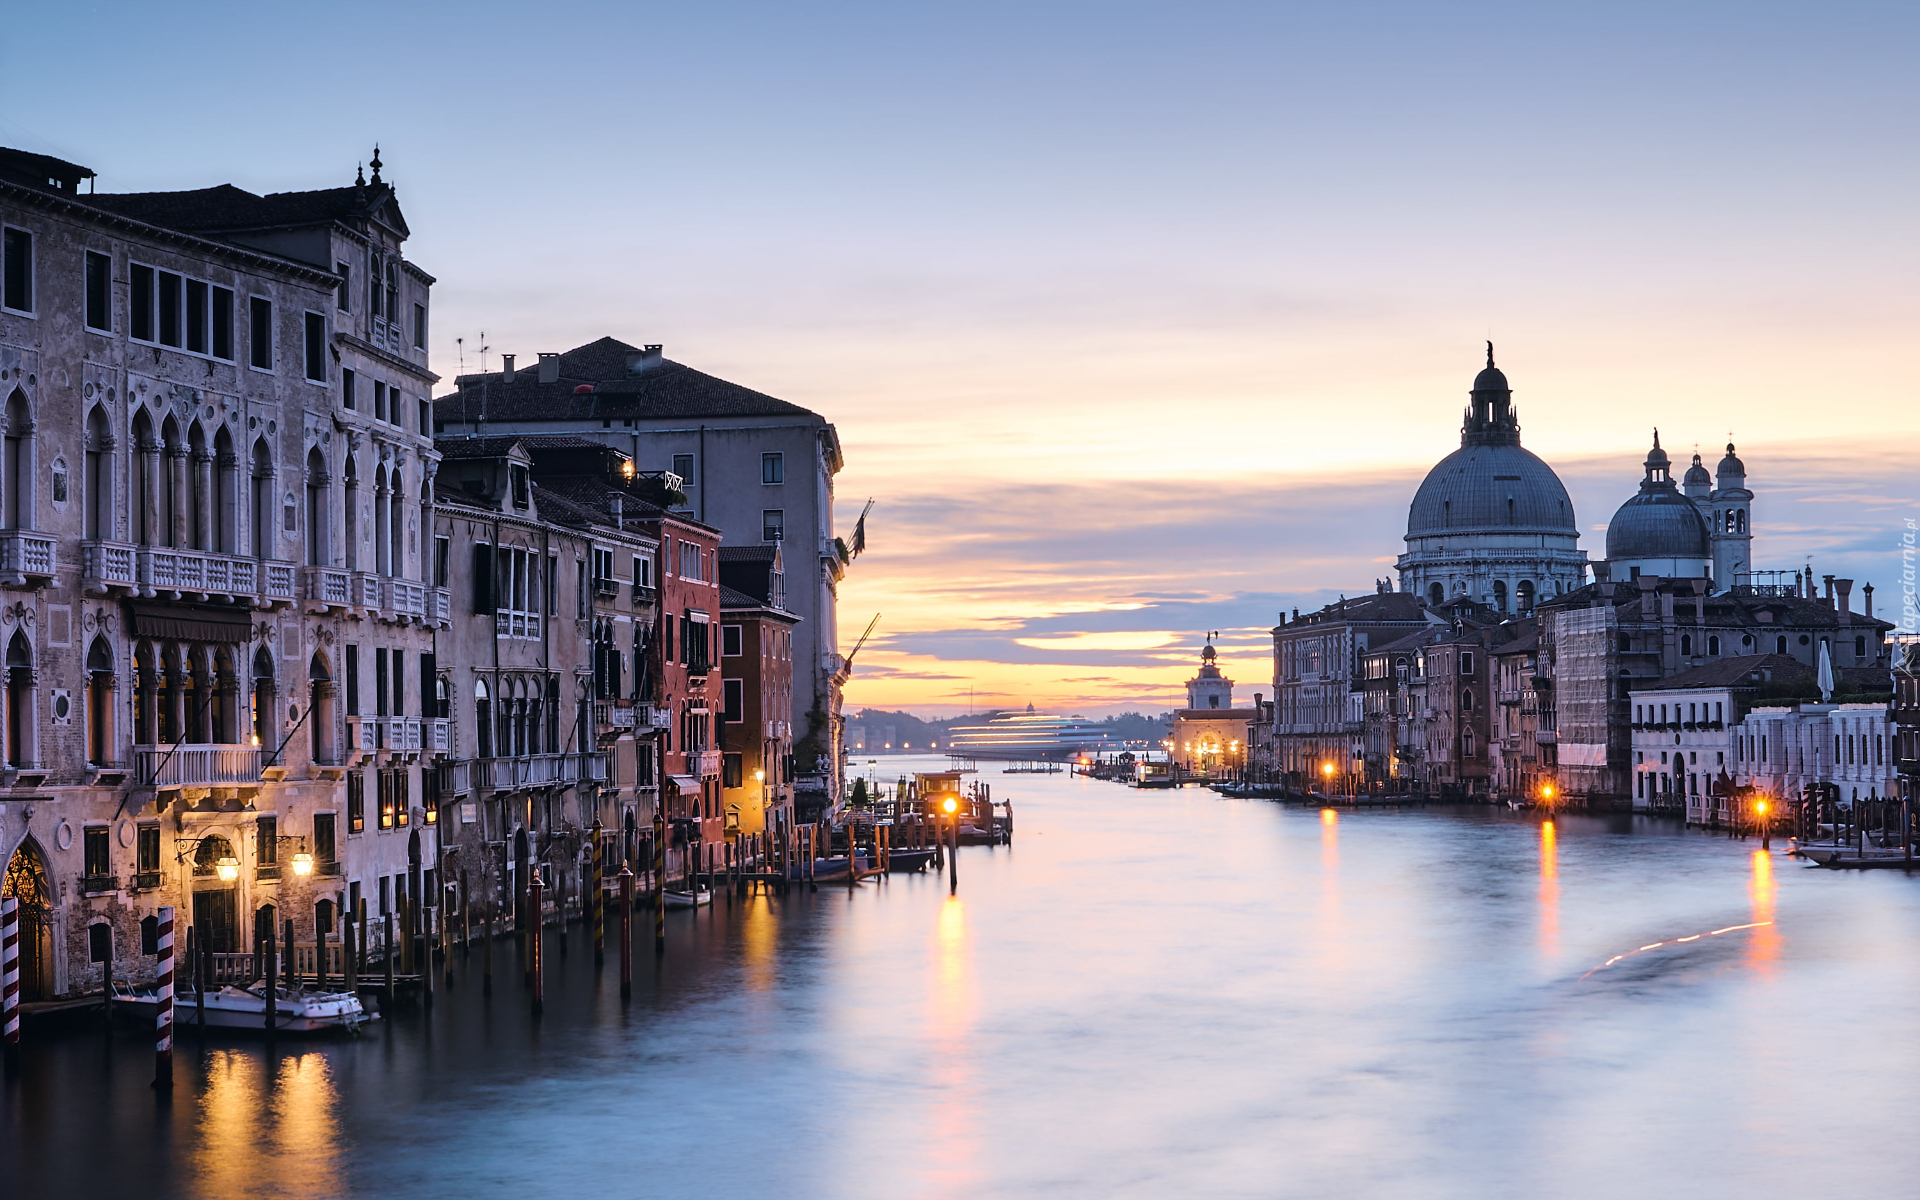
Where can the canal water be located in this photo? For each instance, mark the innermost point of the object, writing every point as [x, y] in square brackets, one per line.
[1149, 994]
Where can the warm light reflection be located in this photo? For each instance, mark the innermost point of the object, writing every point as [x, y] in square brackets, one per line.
[279, 1138]
[1764, 947]
[759, 940]
[1549, 889]
[956, 1133]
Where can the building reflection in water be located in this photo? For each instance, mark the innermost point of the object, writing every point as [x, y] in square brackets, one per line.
[268, 1127]
[1549, 890]
[1763, 946]
[956, 1136]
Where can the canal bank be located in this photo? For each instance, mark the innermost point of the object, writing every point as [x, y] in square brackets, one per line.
[1148, 994]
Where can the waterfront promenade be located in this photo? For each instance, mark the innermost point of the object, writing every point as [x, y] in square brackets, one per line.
[1149, 994]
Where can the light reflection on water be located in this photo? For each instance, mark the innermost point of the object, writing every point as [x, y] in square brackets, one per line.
[1149, 994]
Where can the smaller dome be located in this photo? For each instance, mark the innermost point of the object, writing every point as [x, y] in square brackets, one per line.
[1657, 524]
[1697, 475]
[1656, 457]
[1731, 465]
[1491, 379]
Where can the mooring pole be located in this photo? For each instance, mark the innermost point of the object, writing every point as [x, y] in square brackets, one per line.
[163, 1003]
[536, 903]
[953, 858]
[10, 976]
[386, 934]
[626, 932]
[659, 883]
[599, 898]
[270, 977]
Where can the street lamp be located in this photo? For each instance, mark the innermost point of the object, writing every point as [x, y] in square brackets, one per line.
[228, 869]
[303, 863]
[1766, 827]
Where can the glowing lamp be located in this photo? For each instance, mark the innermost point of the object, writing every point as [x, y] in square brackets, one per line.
[759, 776]
[303, 863]
[228, 869]
[1761, 808]
[950, 805]
[1546, 791]
[1327, 770]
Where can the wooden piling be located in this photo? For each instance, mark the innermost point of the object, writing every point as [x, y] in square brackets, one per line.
[598, 899]
[163, 1002]
[536, 903]
[659, 883]
[269, 978]
[486, 954]
[349, 962]
[626, 932]
[386, 1000]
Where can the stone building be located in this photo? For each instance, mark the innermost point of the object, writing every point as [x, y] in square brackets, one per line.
[756, 680]
[1491, 522]
[216, 479]
[759, 469]
[1318, 717]
[1210, 736]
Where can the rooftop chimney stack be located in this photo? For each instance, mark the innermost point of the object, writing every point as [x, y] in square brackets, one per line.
[644, 359]
[506, 368]
[1845, 588]
[1828, 580]
[549, 368]
[1866, 593]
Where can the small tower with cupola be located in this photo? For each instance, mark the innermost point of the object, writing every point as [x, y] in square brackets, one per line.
[1730, 508]
[1209, 689]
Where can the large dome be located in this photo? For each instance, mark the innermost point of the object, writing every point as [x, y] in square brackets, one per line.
[1490, 487]
[1657, 524]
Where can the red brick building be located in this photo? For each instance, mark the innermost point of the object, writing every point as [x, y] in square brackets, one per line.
[756, 667]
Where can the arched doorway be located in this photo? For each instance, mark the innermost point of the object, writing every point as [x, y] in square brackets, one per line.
[21, 751]
[100, 739]
[26, 881]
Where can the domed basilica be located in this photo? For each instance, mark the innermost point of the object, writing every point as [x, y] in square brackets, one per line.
[1492, 522]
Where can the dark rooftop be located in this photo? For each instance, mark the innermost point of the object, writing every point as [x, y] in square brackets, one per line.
[628, 382]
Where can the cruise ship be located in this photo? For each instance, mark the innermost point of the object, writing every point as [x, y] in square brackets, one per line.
[1029, 737]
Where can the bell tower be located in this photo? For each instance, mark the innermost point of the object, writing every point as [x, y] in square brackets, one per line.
[1731, 506]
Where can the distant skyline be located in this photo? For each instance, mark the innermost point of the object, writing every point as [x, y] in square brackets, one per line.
[1137, 320]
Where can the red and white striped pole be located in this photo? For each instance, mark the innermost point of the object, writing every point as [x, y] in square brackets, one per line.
[10, 973]
[163, 1003]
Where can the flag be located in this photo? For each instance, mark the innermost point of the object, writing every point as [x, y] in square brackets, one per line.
[860, 531]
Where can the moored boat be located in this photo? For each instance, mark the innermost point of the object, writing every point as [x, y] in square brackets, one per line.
[689, 899]
[296, 1010]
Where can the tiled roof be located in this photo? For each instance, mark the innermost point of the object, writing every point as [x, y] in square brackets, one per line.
[225, 207]
[663, 389]
[732, 598]
[761, 553]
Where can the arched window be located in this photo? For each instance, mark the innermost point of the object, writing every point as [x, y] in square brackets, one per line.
[1740, 521]
[1436, 594]
[19, 463]
[320, 708]
[260, 507]
[173, 486]
[1780, 644]
[482, 719]
[20, 702]
[350, 511]
[100, 702]
[317, 509]
[167, 696]
[1466, 700]
[1526, 593]
[396, 525]
[199, 489]
[263, 698]
[382, 522]
[146, 479]
[226, 482]
[1500, 595]
[1686, 643]
[193, 696]
[221, 702]
[99, 480]
[1713, 644]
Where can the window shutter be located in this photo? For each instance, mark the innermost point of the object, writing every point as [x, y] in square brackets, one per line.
[482, 577]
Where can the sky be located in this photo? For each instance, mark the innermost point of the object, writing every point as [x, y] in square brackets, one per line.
[1136, 320]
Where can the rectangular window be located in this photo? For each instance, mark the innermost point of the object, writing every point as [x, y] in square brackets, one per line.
[170, 303]
[316, 347]
[379, 401]
[482, 578]
[419, 327]
[140, 302]
[349, 382]
[773, 524]
[146, 853]
[94, 843]
[353, 680]
[402, 797]
[260, 332]
[380, 681]
[384, 782]
[730, 641]
[343, 299]
[442, 551]
[425, 416]
[266, 850]
[732, 770]
[399, 684]
[683, 467]
[580, 590]
[356, 801]
[733, 702]
[99, 291]
[19, 271]
[689, 561]
[223, 324]
[773, 468]
[196, 316]
[325, 845]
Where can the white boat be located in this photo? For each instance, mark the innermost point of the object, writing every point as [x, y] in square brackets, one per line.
[301, 1010]
[689, 899]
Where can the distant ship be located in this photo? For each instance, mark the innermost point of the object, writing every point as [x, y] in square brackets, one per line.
[1030, 737]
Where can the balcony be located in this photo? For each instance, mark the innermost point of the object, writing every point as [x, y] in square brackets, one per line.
[436, 735]
[456, 778]
[327, 586]
[607, 587]
[516, 624]
[196, 765]
[406, 599]
[613, 716]
[1510, 695]
[107, 565]
[439, 606]
[25, 557]
[534, 770]
[705, 762]
[361, 737]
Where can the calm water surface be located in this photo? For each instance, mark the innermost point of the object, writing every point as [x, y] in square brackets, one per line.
[1149, 994]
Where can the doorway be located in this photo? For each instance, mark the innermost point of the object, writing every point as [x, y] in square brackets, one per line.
[213, 919]
[26, 881]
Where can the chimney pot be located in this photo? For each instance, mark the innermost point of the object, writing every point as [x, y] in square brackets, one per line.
[1845, 589]
[506, 368]
[549, 368]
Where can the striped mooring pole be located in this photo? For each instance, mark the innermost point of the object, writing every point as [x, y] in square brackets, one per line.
[163, 1006]
[10, 973]
[599, 896]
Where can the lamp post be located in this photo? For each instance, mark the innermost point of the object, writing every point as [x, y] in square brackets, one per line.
[951, 806]
[1766, 826]
[1326, 773]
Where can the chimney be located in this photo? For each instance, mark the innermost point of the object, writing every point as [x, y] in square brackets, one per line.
[614, 502]
[1845, 588]
[1866, 593]
[644, 359]
[549, 368]
[1828, 580]
[506, 368]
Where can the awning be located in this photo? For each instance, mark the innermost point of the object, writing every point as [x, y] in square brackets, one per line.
[686, 783]
[192, 622]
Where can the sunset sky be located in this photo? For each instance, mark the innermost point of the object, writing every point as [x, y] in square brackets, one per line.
[1137, 320]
